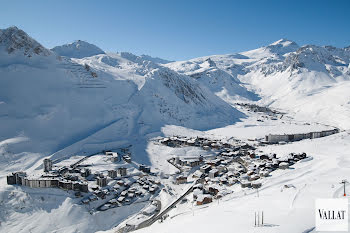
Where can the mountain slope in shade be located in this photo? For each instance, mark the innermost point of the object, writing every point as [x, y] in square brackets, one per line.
[77, 49]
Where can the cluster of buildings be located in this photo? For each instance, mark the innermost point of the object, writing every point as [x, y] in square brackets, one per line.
[257, 108]
[124, 192]
[275, 138]
[205, 143]
[177, 141]
[182, 162]
[56, 179]
[74, 177]
[244, 168]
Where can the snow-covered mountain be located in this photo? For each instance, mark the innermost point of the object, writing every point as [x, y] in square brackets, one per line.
[77, 99]
[224, 84]
[77, 49]
[55, 103]
[284, 75]
[154, 59]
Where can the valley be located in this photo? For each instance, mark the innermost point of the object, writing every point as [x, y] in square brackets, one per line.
[93, 141]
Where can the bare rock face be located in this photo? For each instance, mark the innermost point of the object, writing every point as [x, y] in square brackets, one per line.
[14, 39]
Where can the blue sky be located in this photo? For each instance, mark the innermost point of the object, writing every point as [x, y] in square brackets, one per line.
[178, 29]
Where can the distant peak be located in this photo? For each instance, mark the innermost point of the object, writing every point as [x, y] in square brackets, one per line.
[155, 59]
[15, 39]
[283, 46]
[284, 42]
[78, 49]
[13, 28]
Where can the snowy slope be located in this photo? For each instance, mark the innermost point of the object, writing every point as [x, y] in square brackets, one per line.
[58, 107]
[77, 49]
[79, 100]
[287, 210]
[284, 75]
[222, 83]
[96, 102]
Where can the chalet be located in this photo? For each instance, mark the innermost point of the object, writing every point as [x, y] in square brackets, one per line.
[250, 172]
[197, 174]
[124, 193]
[198, 186]
[213, 190]
[121, 182]
[222, 168]
[215, 145]
[181, 180]
[232, 181]
[228, 154]
[194, 162]
[113, 201]
[254, 177]
[223, 180]
[214, 162]
[197, 192]
[275, 163]
[131, 195]
[152, 190]
[144, 168]
[245, 184]
[264, 173]
[268, 165]
[284, 165]
[138, 192]
[121, 199]
[262, 157]
[127, 158]
[256, 185]
[204, 199]
[300, 156]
